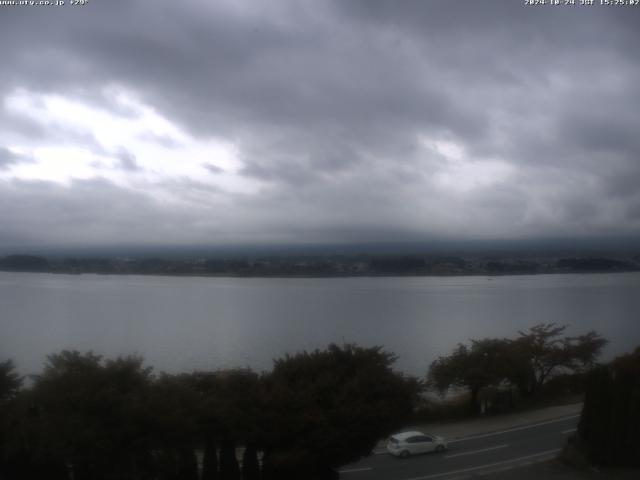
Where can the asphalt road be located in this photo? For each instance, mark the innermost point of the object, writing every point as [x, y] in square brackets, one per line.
[478, 454]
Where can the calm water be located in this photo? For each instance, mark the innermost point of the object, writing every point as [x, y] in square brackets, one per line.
[195, 323]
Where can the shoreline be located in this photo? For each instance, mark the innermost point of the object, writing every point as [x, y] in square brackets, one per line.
[327, 276]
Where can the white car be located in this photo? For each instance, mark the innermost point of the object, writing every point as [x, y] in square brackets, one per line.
[405, 444]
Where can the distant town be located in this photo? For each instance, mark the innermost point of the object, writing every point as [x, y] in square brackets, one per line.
[321, 266]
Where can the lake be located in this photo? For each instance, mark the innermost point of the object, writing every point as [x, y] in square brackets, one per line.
[187, 323]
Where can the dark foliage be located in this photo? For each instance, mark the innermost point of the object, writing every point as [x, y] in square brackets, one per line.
[610, 422]
[229, 468]
[504, 268]
[10, 381]
[399, 265]
[542, 352]
[92, 414]
[210, 459]
[88, 418]
[330, 265]
[24, 263]
[250, 464]
[328, 408]
[527, 362]
[231, 401]
[594, 265]
[187, 464]
[486, 362]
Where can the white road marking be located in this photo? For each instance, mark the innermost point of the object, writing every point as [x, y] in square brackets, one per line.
[476, 451]
[571, 430]
[514, 429]
[488, 465]
[353, 470]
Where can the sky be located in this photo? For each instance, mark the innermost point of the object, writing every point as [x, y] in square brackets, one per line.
[229, 122]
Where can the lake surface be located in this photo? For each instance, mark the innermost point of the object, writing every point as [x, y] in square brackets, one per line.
[185, 323]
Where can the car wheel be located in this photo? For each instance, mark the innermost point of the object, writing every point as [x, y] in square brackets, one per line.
[404, 454]
[440, 448]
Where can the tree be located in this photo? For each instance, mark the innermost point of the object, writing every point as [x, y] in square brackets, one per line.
[231, 403]
[210, 459]
[10, 452]
[328, 408]
[526, 362]
[486, 362]
[92, 414]
[173, 425]
[609, 427]
[187, 464]
[229, 407]
[10, 381]
[229, 468]
[24, 263]
[542, 352]
[250, 464]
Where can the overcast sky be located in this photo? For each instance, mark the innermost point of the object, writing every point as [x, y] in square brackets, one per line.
[216, 122]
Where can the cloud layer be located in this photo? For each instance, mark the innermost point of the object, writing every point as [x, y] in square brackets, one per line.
[221, 122]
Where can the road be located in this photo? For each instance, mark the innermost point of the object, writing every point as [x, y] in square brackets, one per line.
[478, 454]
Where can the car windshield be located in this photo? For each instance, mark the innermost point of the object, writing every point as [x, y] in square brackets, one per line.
[393, 440]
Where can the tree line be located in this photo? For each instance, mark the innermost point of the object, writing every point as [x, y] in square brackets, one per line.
[89, 418]
[525, 363]
[317, 265]
[85, 417]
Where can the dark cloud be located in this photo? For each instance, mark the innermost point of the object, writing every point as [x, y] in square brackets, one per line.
[212, 168]
[8, 158]
[20, 126]
[127, 161]
[92, 212]
[336, 108]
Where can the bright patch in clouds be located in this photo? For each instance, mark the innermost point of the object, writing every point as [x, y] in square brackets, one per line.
[458, 173]
[131, 146]
[465, 176]
[448, 149]
[56, 164]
